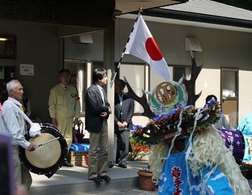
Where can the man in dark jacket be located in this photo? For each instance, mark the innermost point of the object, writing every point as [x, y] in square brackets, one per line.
[96, 115]
[123, 113]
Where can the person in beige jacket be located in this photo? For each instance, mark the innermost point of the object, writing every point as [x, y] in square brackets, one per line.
[64, 107]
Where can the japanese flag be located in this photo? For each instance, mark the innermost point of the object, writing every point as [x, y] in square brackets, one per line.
[141, 44]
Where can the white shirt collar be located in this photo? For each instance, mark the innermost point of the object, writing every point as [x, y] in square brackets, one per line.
[101, 92]
[121, 95]
[14, 101]
[99, 87]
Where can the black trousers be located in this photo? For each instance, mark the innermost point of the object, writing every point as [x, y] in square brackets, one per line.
[121, 147]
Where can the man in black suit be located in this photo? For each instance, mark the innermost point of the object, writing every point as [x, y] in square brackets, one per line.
[123, 113]
[96, 115]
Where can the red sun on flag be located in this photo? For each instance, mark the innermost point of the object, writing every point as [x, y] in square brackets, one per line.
[153, 50]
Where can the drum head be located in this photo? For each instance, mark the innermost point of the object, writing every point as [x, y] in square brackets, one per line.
[48, 157]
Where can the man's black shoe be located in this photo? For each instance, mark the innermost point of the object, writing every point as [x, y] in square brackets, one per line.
[67, 164]
[122, 166]
[111, 166]
[96, 180]
[105, 178]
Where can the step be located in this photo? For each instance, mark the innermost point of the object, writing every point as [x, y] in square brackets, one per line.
[69, 180]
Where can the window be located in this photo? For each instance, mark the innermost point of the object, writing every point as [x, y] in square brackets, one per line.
[229, 95]
[229, 83]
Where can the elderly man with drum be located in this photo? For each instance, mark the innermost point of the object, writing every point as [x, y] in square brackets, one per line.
[15, 126]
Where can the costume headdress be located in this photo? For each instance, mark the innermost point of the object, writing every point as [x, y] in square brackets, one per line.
[171, 110]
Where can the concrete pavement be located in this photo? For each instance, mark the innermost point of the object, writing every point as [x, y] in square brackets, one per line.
[73, 181]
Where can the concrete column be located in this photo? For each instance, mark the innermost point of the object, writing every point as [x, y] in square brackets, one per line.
[80, 72]
[109, 65]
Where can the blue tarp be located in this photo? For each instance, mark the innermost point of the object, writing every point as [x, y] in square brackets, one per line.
[79, 147]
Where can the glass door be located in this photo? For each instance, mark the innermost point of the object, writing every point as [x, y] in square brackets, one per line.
[229, 95]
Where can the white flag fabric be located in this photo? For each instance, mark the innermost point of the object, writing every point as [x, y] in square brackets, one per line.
[142, 45]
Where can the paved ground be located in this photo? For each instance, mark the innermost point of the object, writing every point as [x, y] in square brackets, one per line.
[124, 191]
[73, 181]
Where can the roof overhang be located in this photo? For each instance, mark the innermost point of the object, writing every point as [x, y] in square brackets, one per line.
[127, 6]
[197, 13]
[237, 3]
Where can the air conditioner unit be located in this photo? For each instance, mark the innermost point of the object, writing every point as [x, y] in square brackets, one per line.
[83, 39]
[192, 44]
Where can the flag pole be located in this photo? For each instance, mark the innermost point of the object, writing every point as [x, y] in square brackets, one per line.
[113, 76]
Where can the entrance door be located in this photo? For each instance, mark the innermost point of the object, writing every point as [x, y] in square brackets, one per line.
[229, 97]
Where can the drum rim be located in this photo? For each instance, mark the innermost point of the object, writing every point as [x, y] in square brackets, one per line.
[57, 165]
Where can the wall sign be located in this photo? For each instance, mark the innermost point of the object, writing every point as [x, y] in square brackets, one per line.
[27, 69]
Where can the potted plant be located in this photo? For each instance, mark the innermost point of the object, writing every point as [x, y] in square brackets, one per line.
[139, 150]
[145, 179]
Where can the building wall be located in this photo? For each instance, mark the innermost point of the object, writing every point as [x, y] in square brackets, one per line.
[38, 26]
[221, 48]
[207, 83]
[245, 100]
[37, 45]
[40, 46]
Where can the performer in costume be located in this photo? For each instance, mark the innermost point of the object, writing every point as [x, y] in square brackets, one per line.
[207, 154]
[192, 156]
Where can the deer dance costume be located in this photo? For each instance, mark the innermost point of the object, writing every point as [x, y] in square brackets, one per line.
[203, 165]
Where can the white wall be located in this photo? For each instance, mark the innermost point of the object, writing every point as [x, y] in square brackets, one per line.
[208, 83]
[221, 48]
[245, 94]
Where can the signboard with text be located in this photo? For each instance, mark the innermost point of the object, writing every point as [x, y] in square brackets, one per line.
[27, 69]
